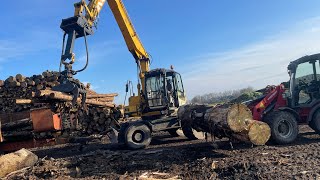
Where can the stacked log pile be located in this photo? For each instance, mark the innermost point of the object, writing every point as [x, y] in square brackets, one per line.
[21, 89]
[19, 93]
[232, 121]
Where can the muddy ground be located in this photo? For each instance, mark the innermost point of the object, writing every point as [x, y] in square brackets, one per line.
[178, 158]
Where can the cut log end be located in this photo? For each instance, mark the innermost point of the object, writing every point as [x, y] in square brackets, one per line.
[236, 116]
[259, 133]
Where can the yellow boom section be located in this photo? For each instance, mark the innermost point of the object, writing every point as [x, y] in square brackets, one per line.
[94, 9]
[90, 11]
[130, 36]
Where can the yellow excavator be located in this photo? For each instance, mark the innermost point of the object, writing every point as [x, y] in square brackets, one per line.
[160, 91]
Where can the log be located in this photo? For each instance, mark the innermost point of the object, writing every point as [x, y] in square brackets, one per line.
[24, 101]
[66, 97]
[16, 161]
[14, 84]
[232, 121]
[105, 99]
[20, 78]
[259, 132]
[1, 137]
[30, 82]
[16, 124]
[11, 79]
[102, 95]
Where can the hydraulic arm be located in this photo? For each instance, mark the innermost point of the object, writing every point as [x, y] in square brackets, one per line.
[80, 25]
[160, 91]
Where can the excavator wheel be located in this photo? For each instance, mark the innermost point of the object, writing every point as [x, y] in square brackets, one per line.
[122, 133]
[137, 135]
[284, 126]
[315, 122]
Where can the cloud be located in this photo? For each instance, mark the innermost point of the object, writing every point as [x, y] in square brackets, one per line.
[258, 64]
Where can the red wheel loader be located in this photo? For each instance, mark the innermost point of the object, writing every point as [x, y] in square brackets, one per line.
[295, 102]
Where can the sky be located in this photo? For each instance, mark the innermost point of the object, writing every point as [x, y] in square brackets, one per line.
[214, 45]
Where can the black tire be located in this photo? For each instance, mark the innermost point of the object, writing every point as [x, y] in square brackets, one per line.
[315, 122]
[284, 126]
[190, 133]
[173, 132]
[122, 133]
[137, 136]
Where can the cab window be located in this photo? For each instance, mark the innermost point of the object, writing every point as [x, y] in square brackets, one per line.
[179, 83]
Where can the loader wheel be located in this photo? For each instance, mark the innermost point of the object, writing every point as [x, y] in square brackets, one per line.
[137, 136]
[315, 122]
[284, 127]
[192, 134]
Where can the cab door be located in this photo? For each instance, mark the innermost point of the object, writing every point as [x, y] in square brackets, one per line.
[306, 83]
[181, 95]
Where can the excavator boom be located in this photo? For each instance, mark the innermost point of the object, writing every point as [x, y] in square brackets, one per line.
[131, 38]
[160, 91]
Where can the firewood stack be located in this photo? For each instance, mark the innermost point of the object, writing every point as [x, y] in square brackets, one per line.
[231, 121]
[19, 93]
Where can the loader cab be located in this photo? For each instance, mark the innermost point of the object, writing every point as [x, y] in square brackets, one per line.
[164, 91]
[305, 81]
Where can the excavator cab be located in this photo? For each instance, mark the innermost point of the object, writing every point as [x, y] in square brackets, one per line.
[164, 91]
[161, 96]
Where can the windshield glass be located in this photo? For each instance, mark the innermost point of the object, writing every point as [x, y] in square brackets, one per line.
[179, 84]
[154, 87]
[305, 72]
[306, 82]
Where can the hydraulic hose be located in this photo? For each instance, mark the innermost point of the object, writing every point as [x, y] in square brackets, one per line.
[63, 43]
[87, 52]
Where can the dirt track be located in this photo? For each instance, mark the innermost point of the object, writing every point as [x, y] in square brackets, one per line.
[179, 158]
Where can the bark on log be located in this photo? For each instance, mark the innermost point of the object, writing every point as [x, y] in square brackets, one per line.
[66, 97]
[11, 79]
[1, 137]
[16, 161]
[233, 121]
[20, 78]
[101, 95]
[11, 126]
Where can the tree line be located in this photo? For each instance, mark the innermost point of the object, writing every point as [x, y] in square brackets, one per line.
[243, 94]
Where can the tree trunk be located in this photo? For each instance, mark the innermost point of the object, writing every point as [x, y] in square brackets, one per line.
[232, 121]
